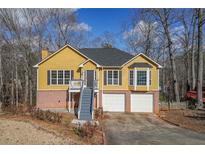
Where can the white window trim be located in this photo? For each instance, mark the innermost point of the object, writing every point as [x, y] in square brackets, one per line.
[148, 78]
[70, 71]
[112, 84]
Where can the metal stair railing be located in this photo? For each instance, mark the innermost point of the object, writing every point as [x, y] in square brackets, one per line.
[92, 101]
[80, 100]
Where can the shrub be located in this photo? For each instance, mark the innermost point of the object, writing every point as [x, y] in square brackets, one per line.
[46, 115]
[86, 131]
[192, 104]
[20, 109]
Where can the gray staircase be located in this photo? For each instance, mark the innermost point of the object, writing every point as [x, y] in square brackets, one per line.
[86, 104]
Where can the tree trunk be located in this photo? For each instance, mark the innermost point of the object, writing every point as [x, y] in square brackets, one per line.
[12, 88]
[173, 66]
[193, 56]
[30, 92]
[1, 80]
[17, 82]
[188, 69]
[200, 59]
[26, 87]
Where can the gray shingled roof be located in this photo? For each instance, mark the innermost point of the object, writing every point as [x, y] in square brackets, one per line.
[107, 56]
[142, 65]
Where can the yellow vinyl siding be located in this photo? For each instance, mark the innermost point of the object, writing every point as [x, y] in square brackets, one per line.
[125, 77]
[68, 59]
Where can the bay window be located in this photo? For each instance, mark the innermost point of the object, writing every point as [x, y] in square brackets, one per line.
[139, 77]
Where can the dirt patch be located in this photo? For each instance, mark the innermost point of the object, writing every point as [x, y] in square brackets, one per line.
[17, 132]
[190, 119]
[62, 130]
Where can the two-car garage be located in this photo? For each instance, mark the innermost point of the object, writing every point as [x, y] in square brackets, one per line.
[138, 102]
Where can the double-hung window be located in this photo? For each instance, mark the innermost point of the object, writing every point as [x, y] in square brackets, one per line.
[141, 77]
[53, 77]
[113, 77]
[59, 77]
[109, 77]
[67, 76]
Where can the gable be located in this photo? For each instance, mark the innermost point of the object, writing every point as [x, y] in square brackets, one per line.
[89, 65]
[62, 49]
[143, 59]
[65, 57]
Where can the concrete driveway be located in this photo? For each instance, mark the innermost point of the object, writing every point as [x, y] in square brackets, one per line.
[132, 128]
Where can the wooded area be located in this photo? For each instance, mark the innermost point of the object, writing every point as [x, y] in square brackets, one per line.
[172, 37]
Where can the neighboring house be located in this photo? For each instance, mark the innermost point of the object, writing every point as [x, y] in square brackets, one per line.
[97, 77]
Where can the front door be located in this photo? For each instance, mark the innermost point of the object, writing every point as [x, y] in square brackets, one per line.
[90, 78]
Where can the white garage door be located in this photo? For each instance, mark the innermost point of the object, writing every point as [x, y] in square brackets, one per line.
[141, 103]
[114, 102]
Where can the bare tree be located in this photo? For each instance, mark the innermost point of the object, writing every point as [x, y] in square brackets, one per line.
[23, 33]
[193, 51]
[106, 40]
[164, 17]
[200, 59]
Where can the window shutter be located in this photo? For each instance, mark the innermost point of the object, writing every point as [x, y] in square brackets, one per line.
[48, 77]
[120, 77]
[105, 77]
[72, 74]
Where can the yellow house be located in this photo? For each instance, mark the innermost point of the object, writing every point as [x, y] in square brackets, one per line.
[82, 80]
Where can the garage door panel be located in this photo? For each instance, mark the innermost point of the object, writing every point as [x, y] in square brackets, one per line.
[141, 103]
[114, 102]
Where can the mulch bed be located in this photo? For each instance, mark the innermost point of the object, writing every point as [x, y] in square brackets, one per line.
[190, 119]
[63, 129]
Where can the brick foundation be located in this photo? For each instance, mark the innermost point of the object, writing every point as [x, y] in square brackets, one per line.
[59, 98]
[51, 99]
